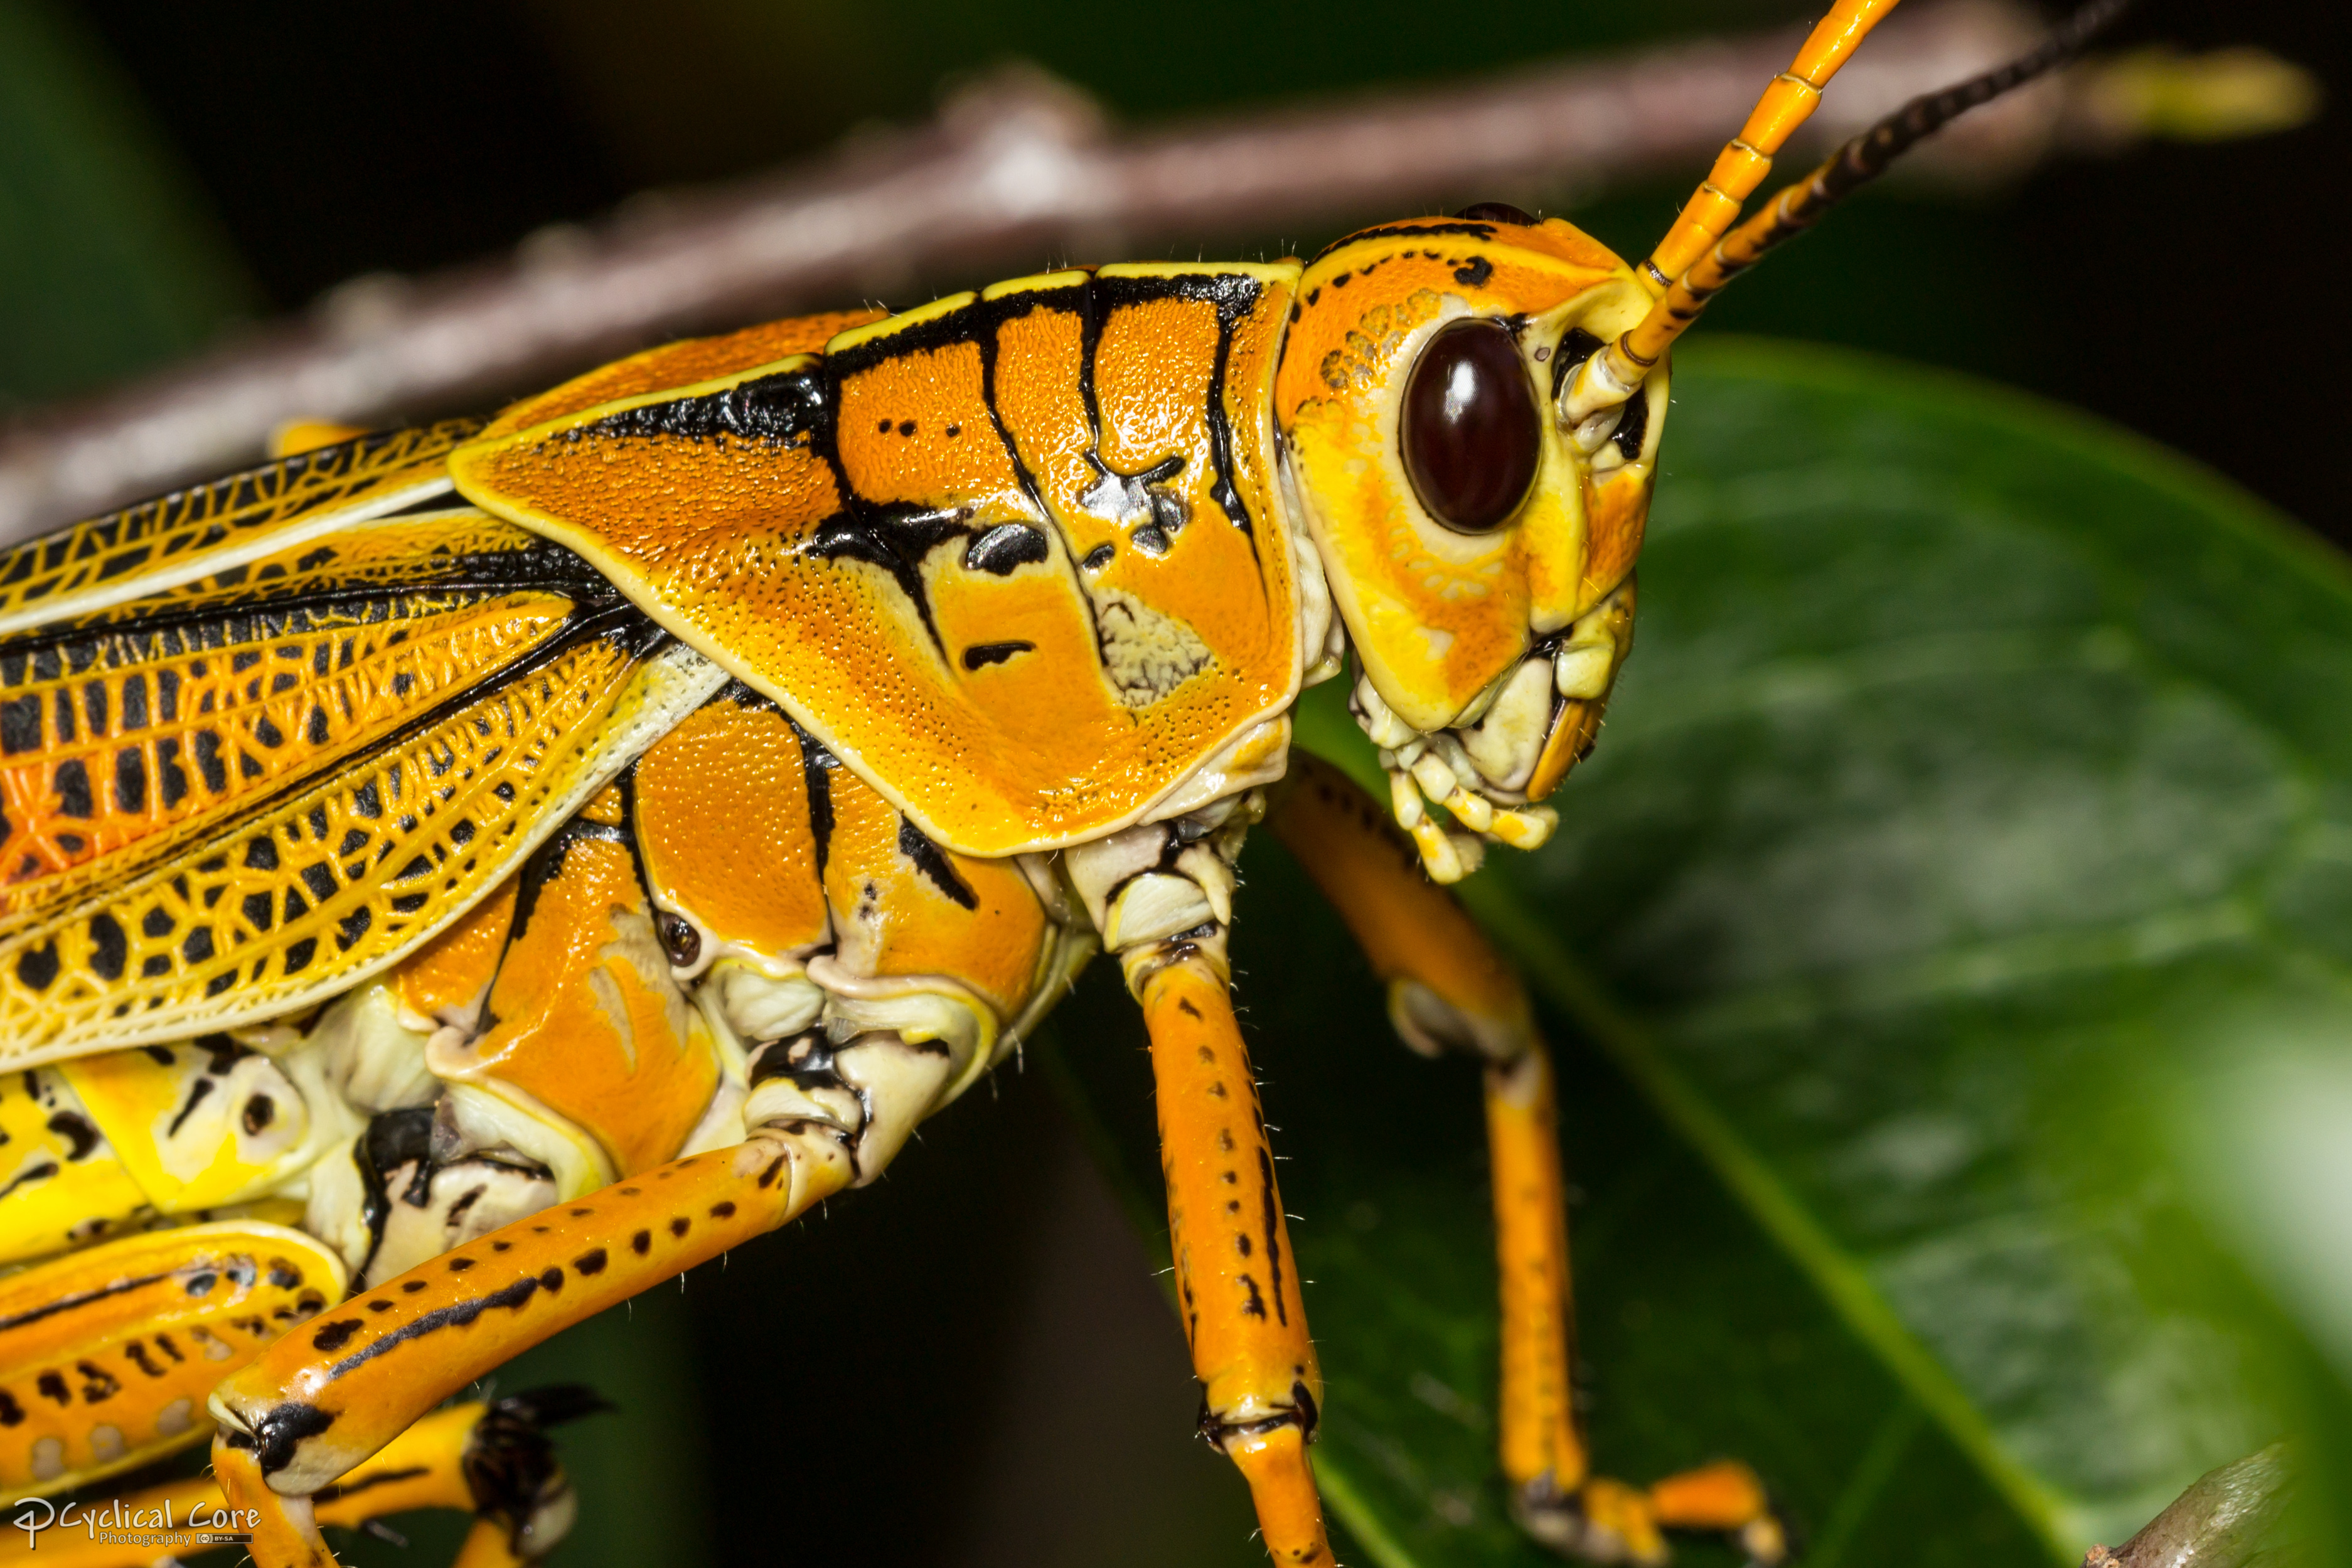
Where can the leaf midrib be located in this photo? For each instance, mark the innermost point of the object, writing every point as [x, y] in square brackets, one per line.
[1563, 979]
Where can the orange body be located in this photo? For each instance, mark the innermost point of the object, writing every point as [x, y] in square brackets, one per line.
[554, 848]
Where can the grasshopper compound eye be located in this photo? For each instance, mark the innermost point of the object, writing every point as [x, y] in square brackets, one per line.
[1470, 430]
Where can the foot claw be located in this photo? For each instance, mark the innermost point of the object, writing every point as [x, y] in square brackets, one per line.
[1600, 1522]
[1766, 1541]
[1606, 1520]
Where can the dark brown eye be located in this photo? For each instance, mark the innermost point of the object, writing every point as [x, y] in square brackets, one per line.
[1471, 431]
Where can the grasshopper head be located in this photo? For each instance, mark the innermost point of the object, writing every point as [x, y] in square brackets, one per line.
[1480, 552]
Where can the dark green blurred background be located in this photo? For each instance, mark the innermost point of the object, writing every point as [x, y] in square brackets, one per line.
[970, 1365]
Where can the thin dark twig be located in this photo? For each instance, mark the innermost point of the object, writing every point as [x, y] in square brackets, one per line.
[1011, 174]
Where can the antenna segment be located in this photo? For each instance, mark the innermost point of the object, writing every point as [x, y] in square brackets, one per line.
[1611, 376]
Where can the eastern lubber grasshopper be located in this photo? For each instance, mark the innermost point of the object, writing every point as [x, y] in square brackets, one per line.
[459, 877]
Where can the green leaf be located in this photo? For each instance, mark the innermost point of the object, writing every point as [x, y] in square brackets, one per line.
[1945, 951]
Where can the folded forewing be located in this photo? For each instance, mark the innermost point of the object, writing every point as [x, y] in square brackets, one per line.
[128, 731]
[334, 880]
[213, 527]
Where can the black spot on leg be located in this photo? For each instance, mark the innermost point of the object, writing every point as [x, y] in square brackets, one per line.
[722, 1211]
[98, 1385]
[1272, 1221]
[642, 1243]
[336, 1335]
[678, 1227]
[589, 1262]
[514, 1297]
[281, 1432]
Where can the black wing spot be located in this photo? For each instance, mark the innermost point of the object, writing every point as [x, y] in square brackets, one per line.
[111, 947]
[37, 967]
[72, 781]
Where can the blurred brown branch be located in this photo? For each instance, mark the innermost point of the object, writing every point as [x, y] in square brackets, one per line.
[1016, 168]
[2221, 1522]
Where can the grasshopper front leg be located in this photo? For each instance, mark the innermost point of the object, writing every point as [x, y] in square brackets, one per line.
[1161, 895]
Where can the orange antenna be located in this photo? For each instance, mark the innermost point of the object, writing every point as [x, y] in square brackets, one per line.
[1747, 158]
[1611, 376]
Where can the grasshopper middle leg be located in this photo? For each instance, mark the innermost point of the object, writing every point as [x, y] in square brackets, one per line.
[1450, 992]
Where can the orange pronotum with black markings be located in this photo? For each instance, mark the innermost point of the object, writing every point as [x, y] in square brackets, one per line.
[451, 880]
